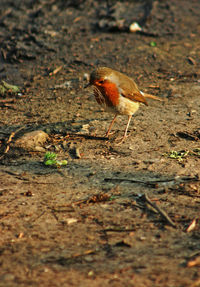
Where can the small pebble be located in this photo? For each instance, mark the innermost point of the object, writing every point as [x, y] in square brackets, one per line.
[90, 273]
[89, 258]
[86, 77]
[71, 220]
[134, 27]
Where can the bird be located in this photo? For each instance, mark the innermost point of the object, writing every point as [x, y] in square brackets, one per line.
[117, 93]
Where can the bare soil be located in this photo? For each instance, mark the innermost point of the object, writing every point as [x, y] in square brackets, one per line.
[89, 223]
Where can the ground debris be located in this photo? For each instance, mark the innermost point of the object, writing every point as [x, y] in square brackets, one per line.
[191, 226]
[195, 136]
[32, 141]
[164, 215]
[191, 61]
[189, 188]
[6, 88]
[194, 261]
[143, 17]
[166, 182]
[182, 154]
[10, 139]
[74, 151]
[101, 197]
[54, 72]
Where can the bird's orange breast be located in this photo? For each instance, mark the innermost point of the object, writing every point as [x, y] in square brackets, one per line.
[110, 93]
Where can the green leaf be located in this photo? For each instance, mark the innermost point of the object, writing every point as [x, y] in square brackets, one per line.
[50, 159]
[50, 162]
[153, 44]
[5, 87]
[50, 155]
[62, 162]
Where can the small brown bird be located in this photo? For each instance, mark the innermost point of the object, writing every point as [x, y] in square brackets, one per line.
[117, 93]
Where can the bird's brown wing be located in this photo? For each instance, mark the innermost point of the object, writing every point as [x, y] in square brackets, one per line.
[130, 90]
[152, 97]
[136, 97]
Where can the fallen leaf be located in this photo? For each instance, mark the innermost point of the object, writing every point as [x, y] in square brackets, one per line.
[191, 226]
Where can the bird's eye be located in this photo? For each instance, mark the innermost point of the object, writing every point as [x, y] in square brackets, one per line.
[101, 81]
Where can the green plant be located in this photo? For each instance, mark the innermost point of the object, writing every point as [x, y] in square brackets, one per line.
[180, 155]
[50, 159]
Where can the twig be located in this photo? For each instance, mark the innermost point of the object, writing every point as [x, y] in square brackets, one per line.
[117, 230]
[43, 212]
[89, 137]
[12, 135]
[26, 180]
[7, 100]
[93, 199]
[153, 183]
[54, 72]
[160, 211]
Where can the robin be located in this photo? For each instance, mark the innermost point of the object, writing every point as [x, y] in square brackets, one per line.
[117, 93]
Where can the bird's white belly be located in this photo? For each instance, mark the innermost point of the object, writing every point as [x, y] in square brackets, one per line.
[126, 106]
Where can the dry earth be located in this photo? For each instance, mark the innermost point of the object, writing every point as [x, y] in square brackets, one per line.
[89, 223]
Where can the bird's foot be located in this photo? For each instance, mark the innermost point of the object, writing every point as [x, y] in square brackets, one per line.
[108, 134]
[121, 140]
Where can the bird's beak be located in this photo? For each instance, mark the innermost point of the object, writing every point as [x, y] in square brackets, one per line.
[86, 86]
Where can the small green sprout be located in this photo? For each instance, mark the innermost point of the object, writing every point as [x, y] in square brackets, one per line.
[5, 87]
[112, 197]
[50, 159]
[153, 44]
[180, 155]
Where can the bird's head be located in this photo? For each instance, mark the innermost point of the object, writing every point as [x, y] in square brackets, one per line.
[100, 77]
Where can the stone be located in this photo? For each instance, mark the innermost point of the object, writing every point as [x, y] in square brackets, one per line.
[32, 141]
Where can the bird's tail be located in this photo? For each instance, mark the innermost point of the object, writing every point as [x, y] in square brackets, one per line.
[152, 97]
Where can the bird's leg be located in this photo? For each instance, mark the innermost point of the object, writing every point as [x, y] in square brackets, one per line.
[111, 124]
[125, 132]
[129, 120]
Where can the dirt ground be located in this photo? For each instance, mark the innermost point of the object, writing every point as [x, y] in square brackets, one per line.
[115, 215]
